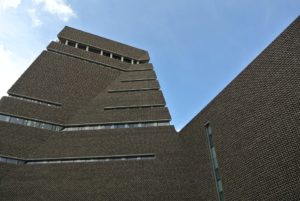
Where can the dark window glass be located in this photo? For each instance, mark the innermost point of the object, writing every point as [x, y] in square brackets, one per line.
[81, 46]
[94, 50]
[116, 57]
[107, 54]
[71, 43]
[127, 60]
[214, 161]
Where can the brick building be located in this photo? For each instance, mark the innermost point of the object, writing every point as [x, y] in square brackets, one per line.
[88, 121]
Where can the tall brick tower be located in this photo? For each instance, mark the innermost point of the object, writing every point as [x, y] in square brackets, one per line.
[87, 121]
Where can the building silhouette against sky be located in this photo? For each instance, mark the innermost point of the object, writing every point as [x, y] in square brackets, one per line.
[88, 121]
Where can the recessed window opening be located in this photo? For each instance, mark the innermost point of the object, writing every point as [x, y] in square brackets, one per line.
[127, 60]
[30, 123]
[81, 46]
[107, 54]
[47, 103]
[94, 50]
[116, 57]
[118, 125]
[131, 90]
[214, 161]
[21, 161]
[139, 80]
[54, 127]
[132, 107]
[71, 43]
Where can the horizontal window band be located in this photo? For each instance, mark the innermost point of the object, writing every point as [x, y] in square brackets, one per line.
[139, 80]
[60, 128]
[94, 62]
[132, 90]
[119, 125]
[30, 122]
[110, 158]
[119, 122]
[34, 100]
[88, 60]
[98, 50]
[133, 107]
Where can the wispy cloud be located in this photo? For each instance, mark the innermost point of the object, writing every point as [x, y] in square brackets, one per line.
[60, 8]
[36, 21]
[6, 4]
[11, 64]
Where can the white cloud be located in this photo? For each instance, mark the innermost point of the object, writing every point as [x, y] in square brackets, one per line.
[11, 68]
[57, 7]
[34, 17]
[5, 4]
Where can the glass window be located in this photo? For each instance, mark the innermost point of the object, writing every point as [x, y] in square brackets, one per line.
[42, 125]
[14, 120]
[4, 118]
[107, 54]
[116, 57]
[127, 60]
[94, 50]
[163, 124]
[81, 46]
[3, 160]
[29, 123]
[107, 126]
[48, 126]
[120, 125]
[215, 165]
[71, 43]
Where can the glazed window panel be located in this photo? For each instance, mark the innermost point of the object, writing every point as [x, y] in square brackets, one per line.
[214, 162]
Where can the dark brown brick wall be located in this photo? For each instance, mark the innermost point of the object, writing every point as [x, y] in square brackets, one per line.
[255, 122]
[32, 110]
[165, 178]
[64, 79]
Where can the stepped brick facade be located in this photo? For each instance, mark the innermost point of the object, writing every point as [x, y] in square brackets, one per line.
[88, 121]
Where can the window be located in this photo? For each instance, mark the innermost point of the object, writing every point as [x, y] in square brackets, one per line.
[163, 124]
[107, 54]
[116, 57]
[109, 158]
[94, 50]
[127, 60]
[16, 120]
[131, 90]
[4, 118]
[71, 43]
[81, 46]
[214, 162]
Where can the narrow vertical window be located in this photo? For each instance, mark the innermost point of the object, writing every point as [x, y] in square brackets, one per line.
[214, 162]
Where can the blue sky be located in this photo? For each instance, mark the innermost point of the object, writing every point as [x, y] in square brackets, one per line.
[196, 46]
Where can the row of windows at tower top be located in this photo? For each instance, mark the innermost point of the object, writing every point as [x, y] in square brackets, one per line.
[101, 52]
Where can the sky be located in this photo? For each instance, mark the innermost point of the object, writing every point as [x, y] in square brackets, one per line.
[196, 46]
